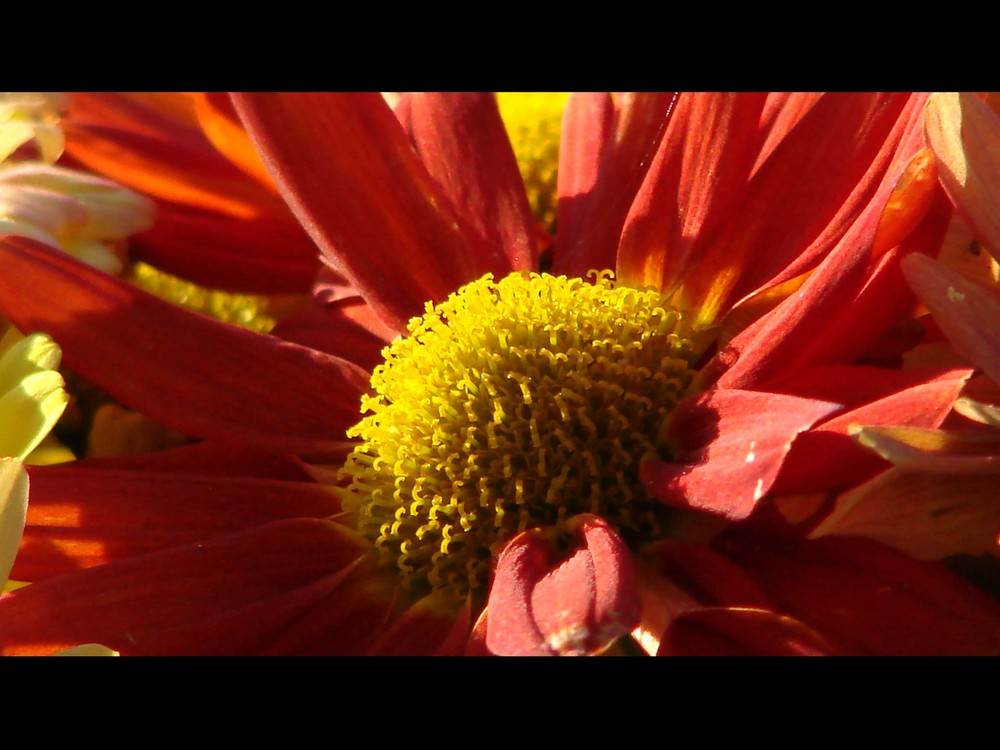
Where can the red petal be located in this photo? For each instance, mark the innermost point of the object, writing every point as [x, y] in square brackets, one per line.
[605, 163]
[463, 143]
[193, 374]
[870, 598]
[81, 517]
[427, 627]
[699, 174]
[350, 175]
[126, 604]
[731, 455]
[741, 632]
[826, 457]
[261, 255]
[543, 603]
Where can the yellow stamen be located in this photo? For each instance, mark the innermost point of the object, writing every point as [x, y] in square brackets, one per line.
[514, 404]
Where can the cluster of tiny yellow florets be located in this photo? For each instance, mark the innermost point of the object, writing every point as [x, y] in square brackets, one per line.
[534, 123]
[514, 404]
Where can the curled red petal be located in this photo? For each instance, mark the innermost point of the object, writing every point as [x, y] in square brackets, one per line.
[579, 602]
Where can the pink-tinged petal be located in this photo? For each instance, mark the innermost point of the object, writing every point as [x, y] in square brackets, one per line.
[594, 198]
[965, 136]
[965, 310]
[351, 176]
[741, 632]
[699, 174]
[261, 255]
[868, 598]
[464, 145]
[730, 446]
[81, 517]
[827, 458]
[926, 516]
[544, 603]
[193, 374]
[127, 603]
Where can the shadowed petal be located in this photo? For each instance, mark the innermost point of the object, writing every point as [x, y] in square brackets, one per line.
[125, 603]
[870, 598]
[81, 517]
[193, 374]
[734, 631]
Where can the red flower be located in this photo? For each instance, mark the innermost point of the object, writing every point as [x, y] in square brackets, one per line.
[713, 204]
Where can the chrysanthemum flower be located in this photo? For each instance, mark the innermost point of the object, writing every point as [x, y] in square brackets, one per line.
[543, 463]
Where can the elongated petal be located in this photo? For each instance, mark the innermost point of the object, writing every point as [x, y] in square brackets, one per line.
[870, 598]
[542, 603]
[193, 374]
[731, 446]
[222, 126]
[933, 450]
[430, 626]
[965, 136]
[124, 604]
[701, 169]
[81, 517]
[350, 175]
[966, 311]
[594, 199]
[463, 142]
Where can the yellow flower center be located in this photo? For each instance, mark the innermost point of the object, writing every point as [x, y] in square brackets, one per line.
[514, 404]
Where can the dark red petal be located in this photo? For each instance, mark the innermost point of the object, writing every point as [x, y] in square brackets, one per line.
[543, 603]
[741, 632]
[193, 374]
[870, 598]
[125, 604]
[81, 517]
[463, 143]
[731, 445]
[350, 175]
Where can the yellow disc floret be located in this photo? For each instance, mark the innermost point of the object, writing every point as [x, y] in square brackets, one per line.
[514, 404]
